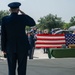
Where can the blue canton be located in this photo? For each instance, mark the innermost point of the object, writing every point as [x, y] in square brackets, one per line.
[70, 39]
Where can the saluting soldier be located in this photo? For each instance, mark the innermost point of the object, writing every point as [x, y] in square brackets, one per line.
[14, 41]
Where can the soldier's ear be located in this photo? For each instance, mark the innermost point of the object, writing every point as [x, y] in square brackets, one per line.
[10, 10]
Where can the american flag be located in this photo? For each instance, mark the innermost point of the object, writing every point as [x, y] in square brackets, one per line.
[54, 40]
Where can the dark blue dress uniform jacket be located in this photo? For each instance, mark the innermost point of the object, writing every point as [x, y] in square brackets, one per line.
[13, 36]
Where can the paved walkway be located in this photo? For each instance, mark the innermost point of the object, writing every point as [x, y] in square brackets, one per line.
[63, 66]
[44, 65]
[38, 54]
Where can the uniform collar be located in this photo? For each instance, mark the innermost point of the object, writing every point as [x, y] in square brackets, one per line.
[14, 13]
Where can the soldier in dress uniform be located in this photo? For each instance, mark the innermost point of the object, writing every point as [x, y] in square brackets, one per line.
[14, 41]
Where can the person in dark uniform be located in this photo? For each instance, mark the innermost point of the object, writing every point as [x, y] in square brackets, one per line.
[14, 41]
[32, 44]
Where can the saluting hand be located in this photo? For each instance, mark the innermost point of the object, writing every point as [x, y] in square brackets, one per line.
[4, 52]
[22, 12]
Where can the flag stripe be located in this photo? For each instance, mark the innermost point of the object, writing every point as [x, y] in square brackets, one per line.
[50, 34]
[50, 39]
[50, 42]
[48, 46]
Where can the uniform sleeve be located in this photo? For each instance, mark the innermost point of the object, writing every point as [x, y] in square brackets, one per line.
[29, 21]
[3, 36]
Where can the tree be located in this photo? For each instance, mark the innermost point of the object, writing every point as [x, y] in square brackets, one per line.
[72, 21]
[2, 14]
[66, 26]
[50, 21]
[27, 28]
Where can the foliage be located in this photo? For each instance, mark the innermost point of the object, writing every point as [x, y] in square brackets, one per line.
[72, 21]
[66, 26]
[2, 14]
[50, 21]
[27, 28]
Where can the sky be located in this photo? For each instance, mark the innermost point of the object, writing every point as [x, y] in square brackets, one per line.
[40, 8]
